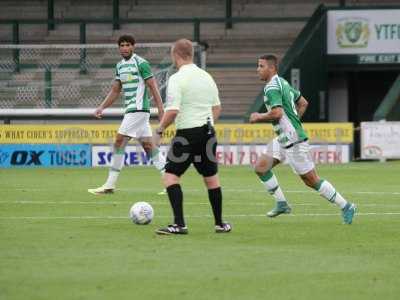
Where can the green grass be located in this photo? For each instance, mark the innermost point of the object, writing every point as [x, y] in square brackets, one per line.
[59, 242]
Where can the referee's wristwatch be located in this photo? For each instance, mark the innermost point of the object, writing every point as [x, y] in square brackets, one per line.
[160, 130]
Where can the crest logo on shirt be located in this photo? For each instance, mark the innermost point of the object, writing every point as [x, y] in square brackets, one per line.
[125, 77]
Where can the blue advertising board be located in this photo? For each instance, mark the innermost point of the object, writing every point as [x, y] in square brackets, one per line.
[134, 155]
[33, 156]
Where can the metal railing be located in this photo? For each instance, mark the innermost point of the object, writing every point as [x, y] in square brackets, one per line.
[196, 22]
[56, 76]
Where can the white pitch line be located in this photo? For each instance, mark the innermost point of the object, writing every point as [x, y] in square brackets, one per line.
[189, 216]
[203, 190]
[128, 203]
[228, 203]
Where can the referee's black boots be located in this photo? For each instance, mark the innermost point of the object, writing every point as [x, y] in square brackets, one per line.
[223, 228]
[173, 229]
[176, 229]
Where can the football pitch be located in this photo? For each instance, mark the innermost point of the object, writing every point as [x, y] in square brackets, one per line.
[59, 242]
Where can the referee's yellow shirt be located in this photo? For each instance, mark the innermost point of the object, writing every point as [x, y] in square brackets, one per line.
[193, 92]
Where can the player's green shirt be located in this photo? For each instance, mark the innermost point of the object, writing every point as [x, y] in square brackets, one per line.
[132, 73]
[278, 92]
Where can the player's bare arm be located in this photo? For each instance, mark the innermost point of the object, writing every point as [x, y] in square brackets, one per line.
[151, 83]
[216, 112]
[274, 114]
[110, 99]
[168, 119]
[301, 106]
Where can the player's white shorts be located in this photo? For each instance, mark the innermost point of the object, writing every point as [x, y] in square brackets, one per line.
[298, 156]
[136, 125]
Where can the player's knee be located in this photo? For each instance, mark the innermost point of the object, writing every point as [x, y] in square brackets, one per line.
[119, 142]
[212, 182]
[261, 168]
[148, 147]
[310, 182]
[263, 165]
[170, 179]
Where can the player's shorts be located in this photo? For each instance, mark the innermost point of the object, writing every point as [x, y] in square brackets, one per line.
[298, 156]
[194, 145]
[136, 125]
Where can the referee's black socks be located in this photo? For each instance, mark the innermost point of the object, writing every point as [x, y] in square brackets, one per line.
[215, 197]
[176, 198]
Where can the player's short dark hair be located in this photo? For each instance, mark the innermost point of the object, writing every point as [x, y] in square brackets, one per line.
[271, 59]
[127, 39]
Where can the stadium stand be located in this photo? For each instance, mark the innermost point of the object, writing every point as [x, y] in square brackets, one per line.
[231, 54]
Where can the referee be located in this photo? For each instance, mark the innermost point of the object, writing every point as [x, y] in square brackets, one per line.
[193, 103]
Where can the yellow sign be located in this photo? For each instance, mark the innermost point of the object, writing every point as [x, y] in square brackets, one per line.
[334, 133]
[105, 133]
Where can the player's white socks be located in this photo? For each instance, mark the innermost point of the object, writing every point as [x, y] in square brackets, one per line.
[270, 182]
[158, 160]
[117, 162]
[327, 191]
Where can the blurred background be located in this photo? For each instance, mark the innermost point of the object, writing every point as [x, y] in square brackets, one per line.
[57, 61]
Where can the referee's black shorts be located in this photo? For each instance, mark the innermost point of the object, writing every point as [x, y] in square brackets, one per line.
[194, 145]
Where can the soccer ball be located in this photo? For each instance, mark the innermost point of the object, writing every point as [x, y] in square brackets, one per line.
[141, 213]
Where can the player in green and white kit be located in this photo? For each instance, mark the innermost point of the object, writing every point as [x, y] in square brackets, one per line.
[134, 78]
[285, 106]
